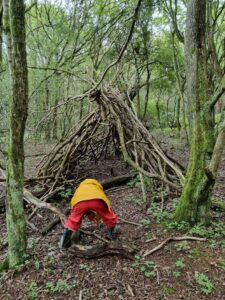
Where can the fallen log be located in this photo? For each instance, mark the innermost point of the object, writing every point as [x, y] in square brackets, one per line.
[118, 180]
[27, 180]
[103, 249]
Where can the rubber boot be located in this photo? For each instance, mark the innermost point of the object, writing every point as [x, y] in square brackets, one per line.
[113, 232]
[65, 240]
[76, 236]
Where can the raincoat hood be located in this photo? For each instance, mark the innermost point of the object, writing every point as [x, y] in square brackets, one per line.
[89, 189]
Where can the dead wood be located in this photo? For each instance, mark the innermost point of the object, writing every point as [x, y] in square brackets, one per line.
[129, 222]
[45, 198]
[50, 226]
[36, 155]
[95, 235]
[113, 125]
[53, 223]
[40, 178]
[182, 238]
[103, 249]
[28, 180]
[115, 181]
[80, 294]
[29, 198]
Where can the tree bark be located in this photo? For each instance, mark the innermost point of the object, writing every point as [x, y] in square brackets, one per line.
[47, 107]
[180, 88]
[195, 202]
[218, 151]
[1, 29]
[14, 26]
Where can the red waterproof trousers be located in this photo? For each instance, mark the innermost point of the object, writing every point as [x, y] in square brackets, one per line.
[81, 208]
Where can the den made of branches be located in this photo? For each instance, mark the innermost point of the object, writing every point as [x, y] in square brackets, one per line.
[112, 129]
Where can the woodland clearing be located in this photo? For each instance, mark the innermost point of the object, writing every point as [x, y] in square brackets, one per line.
[179, 270]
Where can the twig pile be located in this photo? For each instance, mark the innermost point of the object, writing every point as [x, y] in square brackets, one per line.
[113, 124]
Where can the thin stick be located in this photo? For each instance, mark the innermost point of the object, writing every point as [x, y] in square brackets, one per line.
[94, 234]
[117, 189]
[129, 222]
[44, 199]
[80, 294]
[31, 225]
[2, 179]
[157, 274]
[173, 239]
[154, 238]
[130, 290]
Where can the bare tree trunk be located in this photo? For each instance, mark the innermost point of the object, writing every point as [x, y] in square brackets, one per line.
[55, 116]
[47, 106]
[158, 110]
[14, 18]
[180, 88]
[55, 120]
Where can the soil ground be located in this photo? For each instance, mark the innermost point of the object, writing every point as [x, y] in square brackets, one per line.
[174, 272]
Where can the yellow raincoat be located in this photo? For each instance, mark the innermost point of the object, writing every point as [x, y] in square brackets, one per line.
[89, 189]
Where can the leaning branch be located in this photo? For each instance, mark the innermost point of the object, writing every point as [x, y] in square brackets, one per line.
[28, 197]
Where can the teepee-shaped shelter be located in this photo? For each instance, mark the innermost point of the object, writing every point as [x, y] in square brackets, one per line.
[115, 125]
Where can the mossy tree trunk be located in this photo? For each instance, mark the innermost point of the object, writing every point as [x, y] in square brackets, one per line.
[1, 12]
[194, 204]
[14, 27]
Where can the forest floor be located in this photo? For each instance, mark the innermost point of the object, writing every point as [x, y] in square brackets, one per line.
[180, 270]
